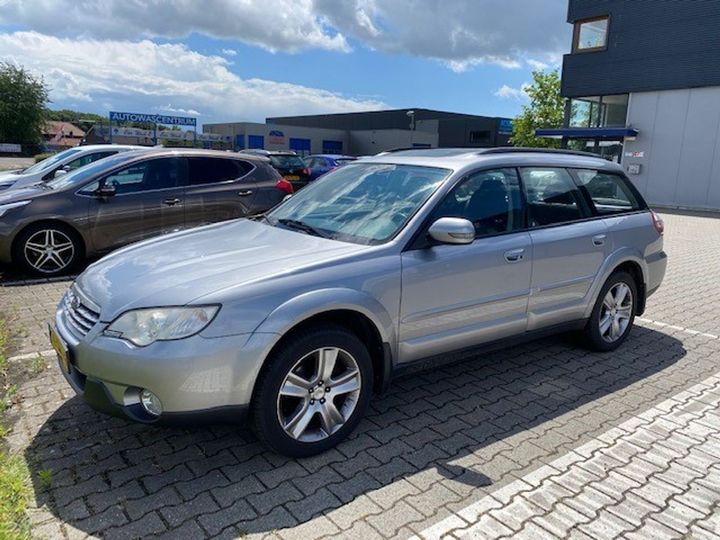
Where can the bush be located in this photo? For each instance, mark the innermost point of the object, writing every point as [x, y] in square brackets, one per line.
[41, 157]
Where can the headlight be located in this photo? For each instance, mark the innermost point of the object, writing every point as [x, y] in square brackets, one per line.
[5, 207]
[145, 326]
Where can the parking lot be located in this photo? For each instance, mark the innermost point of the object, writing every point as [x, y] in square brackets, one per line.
[541, 440]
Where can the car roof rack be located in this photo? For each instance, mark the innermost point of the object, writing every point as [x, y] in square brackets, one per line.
[520, 150]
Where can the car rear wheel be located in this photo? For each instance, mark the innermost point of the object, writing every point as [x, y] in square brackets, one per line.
[614, 313]
[313, 392]
[48, 249]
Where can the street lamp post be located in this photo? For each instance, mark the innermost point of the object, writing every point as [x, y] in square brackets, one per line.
[411, 115]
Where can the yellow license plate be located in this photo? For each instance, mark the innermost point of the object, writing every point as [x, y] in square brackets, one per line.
[292, 177]
[61, 349]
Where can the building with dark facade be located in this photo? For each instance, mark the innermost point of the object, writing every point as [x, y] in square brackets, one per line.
[453, 129]
[642, 83]
[367, 133]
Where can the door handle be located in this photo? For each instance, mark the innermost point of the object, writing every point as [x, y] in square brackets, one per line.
[515, 255]
[245, 192]
[171, 202]
[599, 239]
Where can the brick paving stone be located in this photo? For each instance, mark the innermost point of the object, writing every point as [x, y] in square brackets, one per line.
[605, 504]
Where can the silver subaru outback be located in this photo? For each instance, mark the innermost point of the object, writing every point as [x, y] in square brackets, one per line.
[297, 317]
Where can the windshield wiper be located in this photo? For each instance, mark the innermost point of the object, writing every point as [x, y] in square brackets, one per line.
[302, 226]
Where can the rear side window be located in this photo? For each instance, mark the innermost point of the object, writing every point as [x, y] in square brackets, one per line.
[204, 170]
[609, 192]
[489, 199]
[552, 197]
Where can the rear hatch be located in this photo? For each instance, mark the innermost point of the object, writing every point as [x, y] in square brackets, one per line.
[290, 167]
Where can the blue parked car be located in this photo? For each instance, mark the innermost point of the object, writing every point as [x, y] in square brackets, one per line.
[319, 164]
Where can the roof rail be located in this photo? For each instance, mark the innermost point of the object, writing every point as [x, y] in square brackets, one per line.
[517, 149]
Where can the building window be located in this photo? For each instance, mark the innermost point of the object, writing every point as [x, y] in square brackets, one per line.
[480, 137]
[590, 34]
[332, 147]
[300, 146]
[598, 111]
[256, 141]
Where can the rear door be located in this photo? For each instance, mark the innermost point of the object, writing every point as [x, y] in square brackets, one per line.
[218, 189]
[569, 246]
[148, 201]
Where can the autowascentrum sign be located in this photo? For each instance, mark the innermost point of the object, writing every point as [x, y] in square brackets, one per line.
[152, 118]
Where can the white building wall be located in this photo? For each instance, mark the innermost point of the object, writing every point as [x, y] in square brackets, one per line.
[678, 147]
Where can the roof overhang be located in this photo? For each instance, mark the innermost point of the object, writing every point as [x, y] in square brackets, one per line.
[588, 133]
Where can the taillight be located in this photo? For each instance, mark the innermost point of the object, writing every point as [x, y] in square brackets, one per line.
[285, 186]
[657, 223]
[306, 171]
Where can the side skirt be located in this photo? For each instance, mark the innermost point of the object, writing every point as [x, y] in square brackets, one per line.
[461, 355]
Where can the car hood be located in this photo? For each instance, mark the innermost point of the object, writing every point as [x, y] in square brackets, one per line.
[179, 268]
[20, 194]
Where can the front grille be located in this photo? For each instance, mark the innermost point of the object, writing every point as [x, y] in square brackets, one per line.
[80, 317]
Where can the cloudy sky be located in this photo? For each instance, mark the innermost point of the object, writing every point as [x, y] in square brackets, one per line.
[233, 60]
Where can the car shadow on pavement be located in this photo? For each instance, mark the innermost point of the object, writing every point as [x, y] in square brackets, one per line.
[121, 480]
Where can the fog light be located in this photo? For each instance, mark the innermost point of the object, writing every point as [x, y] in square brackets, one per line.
[150, 402]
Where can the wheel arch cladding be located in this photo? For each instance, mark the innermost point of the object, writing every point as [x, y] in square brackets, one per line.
[354, 321]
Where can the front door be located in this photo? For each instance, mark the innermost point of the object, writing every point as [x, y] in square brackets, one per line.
[457, 296]
[568, 248]
[148, 201]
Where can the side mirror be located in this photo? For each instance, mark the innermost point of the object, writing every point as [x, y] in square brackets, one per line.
[449, 230]
[59, 173]
[105, 191]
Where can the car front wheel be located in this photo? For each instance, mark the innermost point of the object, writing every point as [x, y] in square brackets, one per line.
[48, 249]
[313, 392]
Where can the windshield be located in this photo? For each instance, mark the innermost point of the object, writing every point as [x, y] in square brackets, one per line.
[287, 162]
[83, 174]
[364, 203]
[48, 163]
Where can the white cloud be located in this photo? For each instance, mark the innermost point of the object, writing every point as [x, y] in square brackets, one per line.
[275, 25]
[149, 76]
[537, 64]
[229, 52]
[459, 33]
[169, 108]
[509, 92]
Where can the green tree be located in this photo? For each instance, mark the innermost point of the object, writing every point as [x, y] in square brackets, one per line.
[23, 100]
[546, 110]
[68, 115]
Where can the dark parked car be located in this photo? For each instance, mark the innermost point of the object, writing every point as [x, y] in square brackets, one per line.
[50, 227]
[288, 164]
[319, 164]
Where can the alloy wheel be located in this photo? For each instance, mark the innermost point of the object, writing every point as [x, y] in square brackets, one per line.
[49, 251]
[616, 312]
[319, 394]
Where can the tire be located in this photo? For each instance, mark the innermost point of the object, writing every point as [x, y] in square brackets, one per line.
[48, 249]
[601, 337]
[302, 421]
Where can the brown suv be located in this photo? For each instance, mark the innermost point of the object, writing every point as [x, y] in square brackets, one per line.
[49, 227]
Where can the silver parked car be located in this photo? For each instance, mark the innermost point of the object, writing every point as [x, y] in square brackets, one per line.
[298, 316]
[62, 163]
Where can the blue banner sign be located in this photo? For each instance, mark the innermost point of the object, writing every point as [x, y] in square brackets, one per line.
[152, 118]
[506, 126]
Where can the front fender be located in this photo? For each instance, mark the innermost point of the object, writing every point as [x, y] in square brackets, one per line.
[618, 257]
[304, 306]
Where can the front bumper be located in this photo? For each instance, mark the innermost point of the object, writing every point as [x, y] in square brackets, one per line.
[196, 379]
